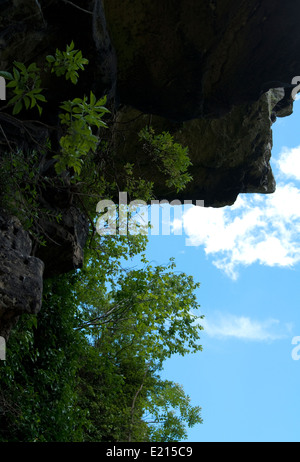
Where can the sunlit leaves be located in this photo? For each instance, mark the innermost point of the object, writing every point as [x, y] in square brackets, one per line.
[26, 85]
[171, 158]
[67, 63]
[79, 117]
[168, 410]
[136, 318]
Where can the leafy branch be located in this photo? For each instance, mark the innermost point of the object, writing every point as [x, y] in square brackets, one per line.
[67, 63]
[26, 84]
[79, 117]
[171, 158]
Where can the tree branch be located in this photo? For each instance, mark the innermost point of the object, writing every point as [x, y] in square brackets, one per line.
[78, 7]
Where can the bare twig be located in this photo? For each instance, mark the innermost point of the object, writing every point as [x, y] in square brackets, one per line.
[76, 6]
[98, 319]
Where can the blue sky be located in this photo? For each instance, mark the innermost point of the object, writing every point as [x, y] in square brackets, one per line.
[247, 259]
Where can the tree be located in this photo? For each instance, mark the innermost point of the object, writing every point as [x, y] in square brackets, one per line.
[144, 316]
[87, 367]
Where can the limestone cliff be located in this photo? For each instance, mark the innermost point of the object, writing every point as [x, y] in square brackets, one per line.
[215, 73]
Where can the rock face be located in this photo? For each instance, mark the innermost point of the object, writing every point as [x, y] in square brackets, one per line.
[21, 275]
[183, 60]
[186, 59]
[214, 73]
[211, 63]
[230, 154]
[68, 238]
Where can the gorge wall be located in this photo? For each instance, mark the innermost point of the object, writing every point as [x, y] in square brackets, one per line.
[215, 73]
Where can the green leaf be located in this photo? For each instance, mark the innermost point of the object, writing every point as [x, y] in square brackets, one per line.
[74, 77]
[17, 107]
[17, 75]
[21, 66]
[92, 98]
[50, 59]
[71, 46]
[6, 75]
[14, 99]
[26, 102]
[12, 84]
[41, 98]
[33, 102]
[32, 68]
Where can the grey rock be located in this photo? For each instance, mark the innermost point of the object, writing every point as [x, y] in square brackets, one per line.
[21, 275]
[230, 154]
[63, 251]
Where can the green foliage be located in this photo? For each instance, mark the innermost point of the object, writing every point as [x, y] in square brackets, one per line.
[168, 410]
[137, 188]
[26, 84]
[67, 63]
[38, 399]
[80, 117]
[80, 141]
[172, 158]
[87, 367]
[136, 300]
[136, 319]
[21, 182]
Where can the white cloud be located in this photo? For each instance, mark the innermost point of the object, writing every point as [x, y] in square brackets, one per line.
[289, 162]
[260, 229]
[245, 328]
